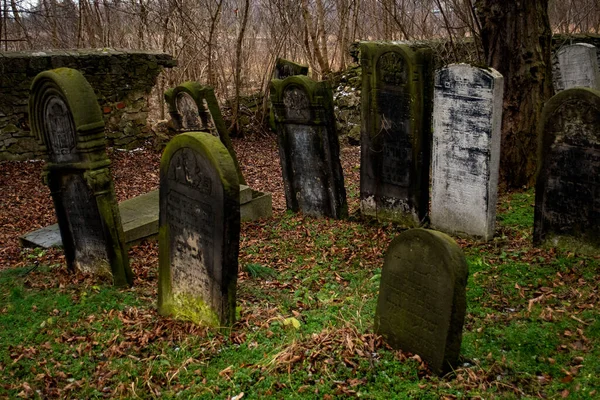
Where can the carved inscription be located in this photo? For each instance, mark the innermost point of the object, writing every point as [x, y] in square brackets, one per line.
[59, 128]
[192, 217]
[187, 108]
[465, 136]
[579, 66]
[297, 105]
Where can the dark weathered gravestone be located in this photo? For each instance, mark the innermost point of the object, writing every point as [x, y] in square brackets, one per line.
[396, 107]
[466, 150]
[199, 229]
[578, 64]
[422, 301]
[567, 191]
[66, 119]
[194, 107]
[308, 147]
[285, 68]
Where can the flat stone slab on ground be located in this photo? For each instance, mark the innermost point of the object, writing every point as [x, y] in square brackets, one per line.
[139, 217]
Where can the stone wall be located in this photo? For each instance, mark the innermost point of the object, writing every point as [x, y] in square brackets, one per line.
[122, 81]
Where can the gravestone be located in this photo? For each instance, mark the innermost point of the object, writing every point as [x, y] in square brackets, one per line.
[194, 107]
[422, 302]
[467, 116]
[567, 191]
[67, 121]
[285, 68]
[308, 147]
[578, 64]
[396, 97]
[199, 230]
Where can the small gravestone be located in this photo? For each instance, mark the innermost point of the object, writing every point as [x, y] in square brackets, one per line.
[466, 150]
[194, 107]
[578, 64]
[309, 147]
[285, 68]
[567, 191]
[422, 302]
[396, 96]
[66, 119]
[199, 230]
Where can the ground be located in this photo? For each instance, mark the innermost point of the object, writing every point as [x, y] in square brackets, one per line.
[307, 292]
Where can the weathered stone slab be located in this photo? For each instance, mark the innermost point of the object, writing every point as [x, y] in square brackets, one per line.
[396, 96]
[259, 207]
[567, 192]
[194, 107]
[467, 117]
[66, 119]
[245, 194]
[422, 301]
[199, 230]
[578, 65]
[286, 68]
[308, 147]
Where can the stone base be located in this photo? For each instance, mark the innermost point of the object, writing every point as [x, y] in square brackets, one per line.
[139, 217]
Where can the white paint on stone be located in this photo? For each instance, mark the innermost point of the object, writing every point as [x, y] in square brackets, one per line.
[578, 65]
[466, 150]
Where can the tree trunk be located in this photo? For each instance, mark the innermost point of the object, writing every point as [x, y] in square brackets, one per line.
[235, 123]
[516, 39]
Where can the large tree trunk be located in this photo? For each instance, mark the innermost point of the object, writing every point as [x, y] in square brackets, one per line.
[516, 38]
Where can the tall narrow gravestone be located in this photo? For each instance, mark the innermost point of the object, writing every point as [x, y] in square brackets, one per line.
[578, 64]
[194, 107]
[567, 191]
[467, 116]
[199, 230]
[66, 119]
[396, 99]
[308, 147]
[422, 302]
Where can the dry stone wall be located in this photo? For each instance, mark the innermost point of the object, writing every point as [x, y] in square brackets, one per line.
[122, 81]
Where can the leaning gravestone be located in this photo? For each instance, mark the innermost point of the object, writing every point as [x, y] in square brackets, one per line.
[199, 230]
[396, 99]
[467, 116]
[194, 107]
[285, 68]
[66, 119]
[578, 64]
[308, 147]
[567, 191]
[422, 301]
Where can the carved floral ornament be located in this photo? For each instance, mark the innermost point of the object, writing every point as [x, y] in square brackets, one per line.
[392, 69]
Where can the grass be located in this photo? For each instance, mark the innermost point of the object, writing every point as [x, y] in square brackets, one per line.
[306, 300]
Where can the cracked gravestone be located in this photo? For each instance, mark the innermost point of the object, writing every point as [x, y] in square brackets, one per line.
[567, 191]
[396, 107]
[578, 65]
[199, 229]
[466, 150]
[422, 302]
[308, 147]
[67, 121]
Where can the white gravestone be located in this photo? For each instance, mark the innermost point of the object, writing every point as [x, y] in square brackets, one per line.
[578, 65]
[466, 149]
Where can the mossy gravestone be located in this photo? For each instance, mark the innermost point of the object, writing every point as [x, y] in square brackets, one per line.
[309, 150]
[194, 107]
[286, 68]
[466, 150]
[396, 105]
[422, 302]
[199, 230]
[567, 191]
[65, 117]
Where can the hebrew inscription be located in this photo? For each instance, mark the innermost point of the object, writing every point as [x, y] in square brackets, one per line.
[578, 65]
[60, 129]
[188, 110]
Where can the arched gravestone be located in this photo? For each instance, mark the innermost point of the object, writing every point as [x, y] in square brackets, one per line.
[567, 191]
[467, 117]
[396, 96]
[422, 302]
[308, 147]
[66, 119]
[191, 97]
[578, 65]
[199, 230]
